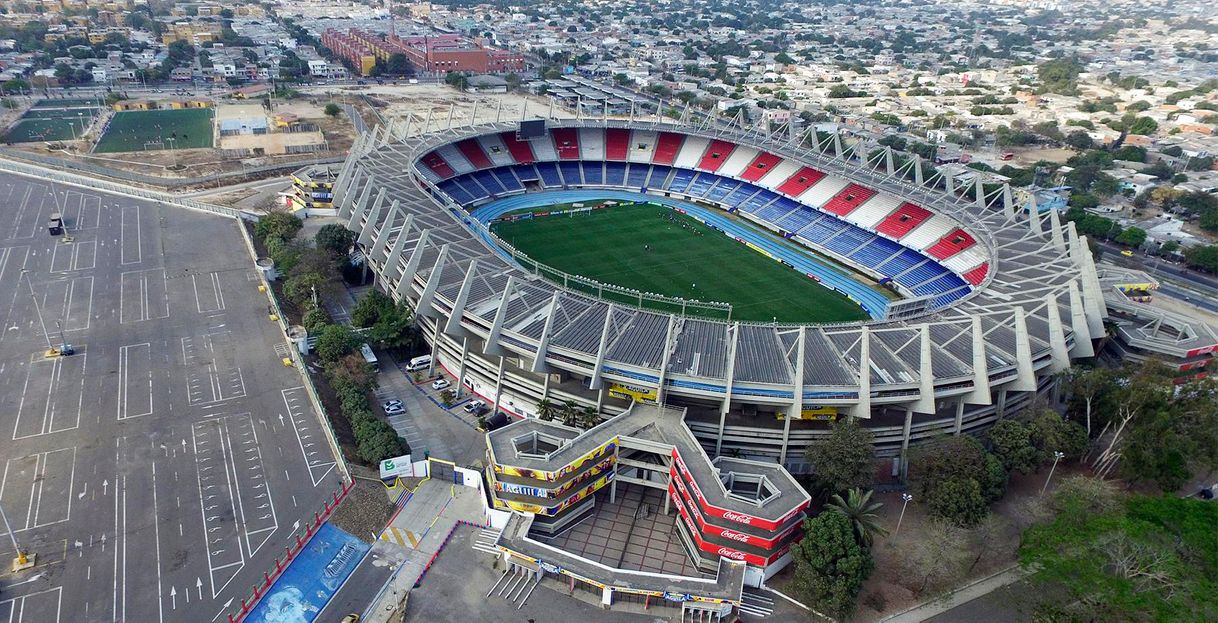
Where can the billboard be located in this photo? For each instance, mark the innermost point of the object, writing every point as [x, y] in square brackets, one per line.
[632, 392]
[397, 467]
[721, 513]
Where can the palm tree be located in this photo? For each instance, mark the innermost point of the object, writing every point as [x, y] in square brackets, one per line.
[545, 410]
[588, 418]
[860, 510]
[570, 412]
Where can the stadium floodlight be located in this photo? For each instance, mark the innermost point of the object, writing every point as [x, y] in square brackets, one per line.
[905, 500]
[1057, 456]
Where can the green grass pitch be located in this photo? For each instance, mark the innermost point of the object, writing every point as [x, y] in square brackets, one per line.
[133, 130]
[639, 247]
[39, 129]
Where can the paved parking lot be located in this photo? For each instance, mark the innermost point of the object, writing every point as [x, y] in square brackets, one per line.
[159, 470]
[428, 427]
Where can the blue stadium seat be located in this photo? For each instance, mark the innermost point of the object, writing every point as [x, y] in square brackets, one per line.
[738, 197]
[701, 184]
[758, 201]
[489, 182]
[659, 173]
[817, 232]
[471, 186]
[797, 220]
[681, 180]
[906, 259]
[615, 173]
[636, 176]
[570, 173]
[924, 272]
[456, 192]
[943, 284]
[526, 173]
[549, 174]
[722, 189]
[846, 242]
[505, 177]
[593, 172]
[775, 211]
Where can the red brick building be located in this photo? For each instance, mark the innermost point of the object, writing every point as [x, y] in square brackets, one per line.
[428, 54]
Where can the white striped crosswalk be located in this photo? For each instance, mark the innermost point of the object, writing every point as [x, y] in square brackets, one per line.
[756, 604]
[485, 541]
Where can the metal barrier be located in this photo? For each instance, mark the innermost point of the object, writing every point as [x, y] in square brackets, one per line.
[71, 179]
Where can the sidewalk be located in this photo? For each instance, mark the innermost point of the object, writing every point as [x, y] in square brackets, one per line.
[960, 596]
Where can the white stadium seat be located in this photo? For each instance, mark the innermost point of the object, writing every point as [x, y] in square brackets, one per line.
[929, 232]
[455, 159]
[691, 152]
[740, 158]
[821, 192]
[642, 146]
[591, 144]
[496, 150]
[874, 210]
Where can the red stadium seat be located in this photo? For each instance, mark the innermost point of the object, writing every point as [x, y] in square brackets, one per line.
[954, 242]
[760, 166]
[617, 143]
[977, 275]
[903, 220]
[848, 200]
[473, 152]
[716, 154]
[566, 142]
[520, 150]
[802, 180]
[436, 163]
[667, 147]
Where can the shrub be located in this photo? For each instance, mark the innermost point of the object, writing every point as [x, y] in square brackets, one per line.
[278, 224]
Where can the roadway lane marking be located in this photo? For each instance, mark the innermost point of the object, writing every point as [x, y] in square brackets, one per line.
[212, 298]
[130, 230]
[218, 503]
[58, 412]
[41, 605]
[312, 445]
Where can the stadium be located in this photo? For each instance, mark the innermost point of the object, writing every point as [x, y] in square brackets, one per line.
[715, 296]
[987, 305]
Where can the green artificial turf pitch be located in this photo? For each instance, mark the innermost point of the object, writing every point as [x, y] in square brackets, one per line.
[40, 129]
[133, 130]
[693, 262]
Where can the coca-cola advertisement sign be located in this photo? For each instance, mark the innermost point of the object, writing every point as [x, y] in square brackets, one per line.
[734, 536]
[738, 517]
[730, 553]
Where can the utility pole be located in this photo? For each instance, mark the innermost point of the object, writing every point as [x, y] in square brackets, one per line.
[51, 350]
[21, 560]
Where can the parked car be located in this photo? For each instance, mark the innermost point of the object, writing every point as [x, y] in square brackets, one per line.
[440, 384]
[475, 406]
[394, 407]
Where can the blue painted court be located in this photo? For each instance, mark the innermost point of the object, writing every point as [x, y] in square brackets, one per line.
[312, 579]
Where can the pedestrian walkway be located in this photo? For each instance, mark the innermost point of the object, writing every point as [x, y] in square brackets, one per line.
[960, 596]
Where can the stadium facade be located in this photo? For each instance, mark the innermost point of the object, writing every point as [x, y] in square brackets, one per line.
[996, 300]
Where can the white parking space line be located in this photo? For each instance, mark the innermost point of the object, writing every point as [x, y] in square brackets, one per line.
[130, 235]
[209, 297]
[28, 218]
[71, 300]
[63, 378]
[36, 490]
[81, 211]
[312, 444]
[218, 503]
[212, 373]
[143, 295]
[41, 607]
[81, 255]
[134, 377]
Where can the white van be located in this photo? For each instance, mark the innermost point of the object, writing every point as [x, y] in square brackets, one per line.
[422, 362]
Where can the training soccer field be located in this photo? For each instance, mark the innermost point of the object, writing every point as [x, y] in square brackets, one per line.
[655, 249]
[138, 130]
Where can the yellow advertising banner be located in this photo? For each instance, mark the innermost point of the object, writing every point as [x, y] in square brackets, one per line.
[632, 392]
[814, 413]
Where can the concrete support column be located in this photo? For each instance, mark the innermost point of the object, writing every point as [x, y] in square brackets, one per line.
[734, 332]
[606, 597]
[1002, 402]
[905, 432]
[435, 348]
[498, 385]
[600, 399]
[461, 366]
[959, 417]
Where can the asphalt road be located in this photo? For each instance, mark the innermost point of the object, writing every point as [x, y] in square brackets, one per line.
[157, 472]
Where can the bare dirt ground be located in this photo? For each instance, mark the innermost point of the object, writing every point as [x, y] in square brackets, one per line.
[925, 559]
[1027, 156]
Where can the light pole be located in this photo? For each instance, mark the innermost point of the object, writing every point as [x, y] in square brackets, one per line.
[21, 560]
[905, 500]
[38, 312]
[1057, 456]
[172, 153]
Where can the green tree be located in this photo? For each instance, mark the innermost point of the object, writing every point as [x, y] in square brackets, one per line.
[858, 507]
[844, 459]
[1144, 126]
[1202, 257]
[336, 340]
[278, 224]
[335, 238]
[546, 410]
[1011, 442]
[1150, 559]
[399, 65]
[959, 501]
[332, 110]
[830, 565]
[299, 290]
[378, 441]
[370, 307]
[1079, 139]
[1131, 237]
